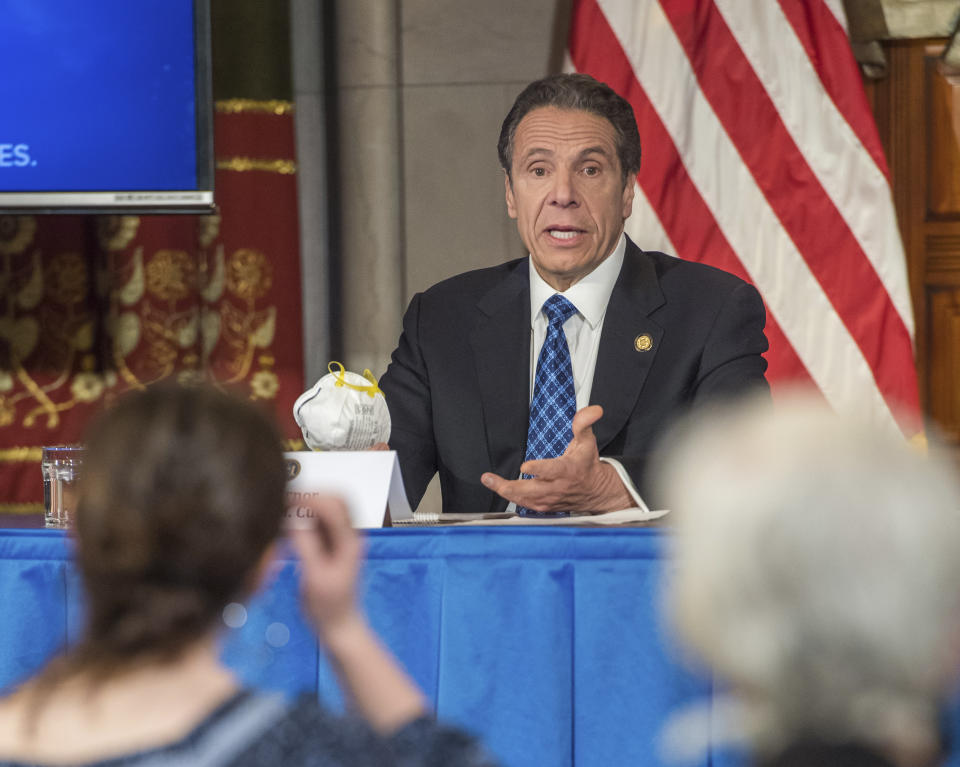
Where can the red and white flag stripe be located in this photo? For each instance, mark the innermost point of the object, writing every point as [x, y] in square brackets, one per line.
[760, 156]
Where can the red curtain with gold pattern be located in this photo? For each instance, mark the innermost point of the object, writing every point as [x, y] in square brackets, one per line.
[91, 306]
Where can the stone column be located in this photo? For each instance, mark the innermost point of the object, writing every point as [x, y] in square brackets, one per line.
[310, 90]
[371, 256]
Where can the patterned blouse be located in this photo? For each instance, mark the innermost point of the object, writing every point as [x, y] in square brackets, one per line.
[254, 729]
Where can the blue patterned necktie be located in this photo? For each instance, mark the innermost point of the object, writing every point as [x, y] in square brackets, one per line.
[554, 398]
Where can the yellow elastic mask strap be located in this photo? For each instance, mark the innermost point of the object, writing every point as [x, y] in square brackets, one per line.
[372, 390]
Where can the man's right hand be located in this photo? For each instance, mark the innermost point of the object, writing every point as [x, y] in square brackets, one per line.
[576, 481]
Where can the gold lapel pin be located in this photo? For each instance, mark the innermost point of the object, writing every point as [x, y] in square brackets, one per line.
[643, 342]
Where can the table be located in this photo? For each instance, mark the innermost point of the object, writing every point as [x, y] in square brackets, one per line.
[545, 641]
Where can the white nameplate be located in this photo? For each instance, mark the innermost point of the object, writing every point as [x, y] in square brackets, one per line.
[369, 482]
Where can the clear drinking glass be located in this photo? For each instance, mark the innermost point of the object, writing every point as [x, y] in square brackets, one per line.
[60, 465]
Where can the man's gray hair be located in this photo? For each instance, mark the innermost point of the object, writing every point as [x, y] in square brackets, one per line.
[817, 570]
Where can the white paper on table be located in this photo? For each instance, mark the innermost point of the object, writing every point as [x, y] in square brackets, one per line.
[369, 482]
[621, 517]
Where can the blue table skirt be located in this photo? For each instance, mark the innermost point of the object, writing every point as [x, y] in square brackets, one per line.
[545, 641]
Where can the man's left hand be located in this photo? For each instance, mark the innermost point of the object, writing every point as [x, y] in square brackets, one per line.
[576, 481]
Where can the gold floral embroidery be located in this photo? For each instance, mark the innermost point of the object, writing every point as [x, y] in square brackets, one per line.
[132, 289]
[86, 387]
[212, 279]
[271, 106]
[244, 164]
[83, 337]
[262, 333]
[264, 384]
[193, 315]
[164, 355]
[31, 293]
[20, 454]
[171, 275]
[248, 274]
[126, 333]
[21, 508]
[116, 232]
[208, 227]
[187, 330]
[209, 331]
[189, 377]
[16, 233]
[8, 413]
[67, 278]
[22, 334]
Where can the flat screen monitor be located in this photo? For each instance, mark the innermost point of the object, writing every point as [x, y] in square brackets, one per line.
[107, 106]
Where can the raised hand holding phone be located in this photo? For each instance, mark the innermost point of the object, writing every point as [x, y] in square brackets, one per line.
[331, 554]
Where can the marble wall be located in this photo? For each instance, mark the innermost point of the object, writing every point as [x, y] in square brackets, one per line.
[463, 64]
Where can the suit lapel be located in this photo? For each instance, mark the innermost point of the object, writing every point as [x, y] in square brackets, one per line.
[501, 348]
[628, 343]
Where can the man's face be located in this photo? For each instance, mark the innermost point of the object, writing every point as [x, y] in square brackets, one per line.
[567, 192]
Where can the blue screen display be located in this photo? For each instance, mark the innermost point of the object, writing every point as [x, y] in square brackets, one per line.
[98, 95]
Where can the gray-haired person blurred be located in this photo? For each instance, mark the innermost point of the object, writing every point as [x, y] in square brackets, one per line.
[822, 583]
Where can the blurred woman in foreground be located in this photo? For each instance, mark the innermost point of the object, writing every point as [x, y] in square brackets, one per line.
[181, 503]
[818, 572]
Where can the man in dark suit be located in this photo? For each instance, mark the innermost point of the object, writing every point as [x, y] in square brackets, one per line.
[651, 335]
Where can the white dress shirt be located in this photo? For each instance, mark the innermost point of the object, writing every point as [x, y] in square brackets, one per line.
[590, 295]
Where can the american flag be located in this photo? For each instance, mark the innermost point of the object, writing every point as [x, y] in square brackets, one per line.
[761, 157]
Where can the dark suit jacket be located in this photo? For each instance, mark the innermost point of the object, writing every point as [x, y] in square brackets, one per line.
[458, 384]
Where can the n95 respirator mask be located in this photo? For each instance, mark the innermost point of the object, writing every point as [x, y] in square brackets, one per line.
[343, 411]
